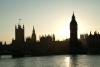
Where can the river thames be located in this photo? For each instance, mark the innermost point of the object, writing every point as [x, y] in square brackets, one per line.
[51, 61]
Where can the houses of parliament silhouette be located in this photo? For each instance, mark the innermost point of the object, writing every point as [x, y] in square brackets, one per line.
[47, 44]
[19, 34]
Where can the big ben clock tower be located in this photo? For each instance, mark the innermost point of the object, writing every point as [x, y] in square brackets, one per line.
[73, 29]
[75, 46]
[73, 34]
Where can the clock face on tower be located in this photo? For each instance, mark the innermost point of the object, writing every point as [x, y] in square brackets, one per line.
[73, 26]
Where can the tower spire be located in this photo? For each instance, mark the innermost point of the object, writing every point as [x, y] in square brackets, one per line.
[73, 28]
[33, 37]
[33, 29]
[73, 15]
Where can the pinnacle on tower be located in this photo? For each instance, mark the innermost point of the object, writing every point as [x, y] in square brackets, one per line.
[73, 15]
[33, 29]
[73, 21]
[23, 26]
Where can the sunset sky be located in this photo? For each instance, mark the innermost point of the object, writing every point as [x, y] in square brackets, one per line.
[48, 17]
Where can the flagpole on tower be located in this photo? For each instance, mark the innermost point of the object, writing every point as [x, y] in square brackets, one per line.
[19, 21]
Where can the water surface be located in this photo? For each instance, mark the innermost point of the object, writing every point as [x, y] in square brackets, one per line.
[51, 61]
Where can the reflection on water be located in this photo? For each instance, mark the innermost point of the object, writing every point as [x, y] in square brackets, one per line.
[5, 56]
[67, 61]
[73, 61]
[52, 61]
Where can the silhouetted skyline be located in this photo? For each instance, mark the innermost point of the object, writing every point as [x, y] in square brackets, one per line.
[48, 46]
[48, 17]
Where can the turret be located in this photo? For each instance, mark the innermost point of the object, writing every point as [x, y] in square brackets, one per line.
[53, 37]
[23, 26]
[19, 33]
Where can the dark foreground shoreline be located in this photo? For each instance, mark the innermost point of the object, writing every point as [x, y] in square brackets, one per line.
[15, 55]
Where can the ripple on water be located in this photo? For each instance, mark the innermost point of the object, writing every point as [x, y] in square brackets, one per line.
[52, 61]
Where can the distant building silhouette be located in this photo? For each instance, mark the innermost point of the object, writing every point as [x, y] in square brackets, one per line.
[47, 38]
[83, 38]
[5, 43]
[53, 38]
[0, 43]
[93, 42]
[19, 33]
[28, 40]
[33, 37]
[73, 32]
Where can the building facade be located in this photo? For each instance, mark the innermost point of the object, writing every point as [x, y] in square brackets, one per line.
[19, 33]
[47, 38]
[93, 42]
[83, 38]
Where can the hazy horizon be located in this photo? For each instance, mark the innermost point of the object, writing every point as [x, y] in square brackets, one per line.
[48, 17]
